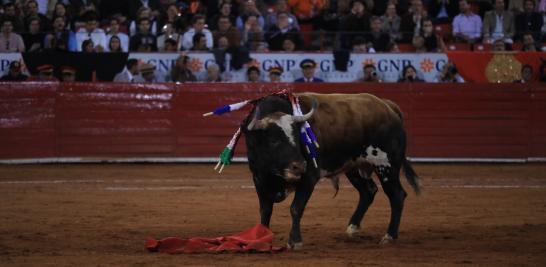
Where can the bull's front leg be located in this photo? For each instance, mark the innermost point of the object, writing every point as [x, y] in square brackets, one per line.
[302, 195]
[266, 208]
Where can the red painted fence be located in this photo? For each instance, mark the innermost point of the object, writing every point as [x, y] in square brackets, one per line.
[106, 120]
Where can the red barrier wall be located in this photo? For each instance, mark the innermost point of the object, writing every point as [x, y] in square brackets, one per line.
[105, 120]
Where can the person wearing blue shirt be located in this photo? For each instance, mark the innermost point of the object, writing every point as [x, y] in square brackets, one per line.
[308, 67]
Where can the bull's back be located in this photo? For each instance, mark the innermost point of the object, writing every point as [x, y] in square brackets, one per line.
[347, 121]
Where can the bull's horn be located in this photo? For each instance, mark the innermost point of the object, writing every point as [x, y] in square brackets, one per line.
[256, 124]
[309, 114]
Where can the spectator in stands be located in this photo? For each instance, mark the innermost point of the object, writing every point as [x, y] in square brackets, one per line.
[449, 74]
[32, 11]
[410, 24]
[10, 41]
[144, 12]
[409, 74]
[122, 37]
[147, 74]
[170, 45]
[225, 11]
[14, 74]
[213, 73]
[127, 75]
[249, 9]
[80, 7]
[33, 38]
[308, 67]
[281, 7]
[174, 17]
[359, 45]
[198, 25]
[529, 21]
[391, 22]
[199, 42]
[307, 12]
[169, 32]
[88, 46]
[288, 45]
[11, 12]
[275, 74]
[392, 47]
[253, 74]
[92, 32]
[493, 31]
[195, 7]
[516, 6]
[369, 74]
[499, 46]
[61, 11]
[68, 74]
[467, 26]
[181, 72]
[418, 43]
[442, 11]
[253, 34]
[354, 24]
[222, 44]
[114, 45]
[378, 39]
[526, 74]
[227, 30]
[276, 35]
[60, 39]
[144, 40]
[432, 41]
[529, 44]
[45, 74]
[262, 47]
[136, 5]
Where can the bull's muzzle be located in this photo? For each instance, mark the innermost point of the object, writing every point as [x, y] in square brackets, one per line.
[294, 171]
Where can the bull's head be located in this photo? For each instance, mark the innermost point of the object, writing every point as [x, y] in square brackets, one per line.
[274, 149]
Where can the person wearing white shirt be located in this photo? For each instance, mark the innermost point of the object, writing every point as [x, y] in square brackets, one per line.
[114, 31]
[129, 72]
[91, 31]
[198, 22]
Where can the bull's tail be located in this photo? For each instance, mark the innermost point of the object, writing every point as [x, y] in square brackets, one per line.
[412, 177]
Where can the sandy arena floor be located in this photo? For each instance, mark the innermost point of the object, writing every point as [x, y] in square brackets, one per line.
[100, 215]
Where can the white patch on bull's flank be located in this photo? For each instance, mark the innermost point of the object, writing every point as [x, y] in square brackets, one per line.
[285, 122]
[379, 159]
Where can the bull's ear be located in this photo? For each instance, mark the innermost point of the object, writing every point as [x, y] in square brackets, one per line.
[309, 114]
[256, 124]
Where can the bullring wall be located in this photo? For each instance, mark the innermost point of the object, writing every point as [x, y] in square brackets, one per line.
[107, 120]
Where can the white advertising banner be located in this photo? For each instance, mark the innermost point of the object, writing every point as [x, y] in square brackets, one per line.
[6, 59]
[389, 66]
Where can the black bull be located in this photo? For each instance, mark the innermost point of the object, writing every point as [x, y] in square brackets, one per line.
[358, 134]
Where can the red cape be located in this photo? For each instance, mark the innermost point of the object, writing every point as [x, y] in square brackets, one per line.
[255, 239]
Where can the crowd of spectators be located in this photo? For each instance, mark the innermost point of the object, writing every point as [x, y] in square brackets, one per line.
[358, 26]
[265, 25]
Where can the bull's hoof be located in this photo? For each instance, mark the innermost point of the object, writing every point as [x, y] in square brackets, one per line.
[352, 230]
[387, 239]
[294, 246]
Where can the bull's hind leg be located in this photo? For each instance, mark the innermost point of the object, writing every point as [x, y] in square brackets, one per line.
[366, 188]
[390, 181]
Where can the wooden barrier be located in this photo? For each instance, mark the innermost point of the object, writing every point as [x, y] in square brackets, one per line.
[107, 120]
